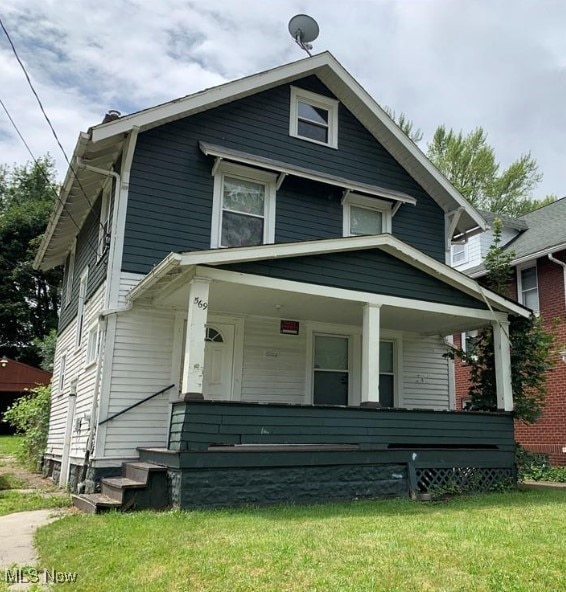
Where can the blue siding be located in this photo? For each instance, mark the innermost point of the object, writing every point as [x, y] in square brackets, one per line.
[170, 198]
[85, 256]
[366, 271]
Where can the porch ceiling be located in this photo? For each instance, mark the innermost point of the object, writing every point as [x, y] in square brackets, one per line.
[241, 299]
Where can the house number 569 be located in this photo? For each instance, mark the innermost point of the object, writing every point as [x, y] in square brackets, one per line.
[200, 303]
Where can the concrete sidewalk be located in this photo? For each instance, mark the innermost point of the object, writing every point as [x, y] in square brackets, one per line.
[16, 536]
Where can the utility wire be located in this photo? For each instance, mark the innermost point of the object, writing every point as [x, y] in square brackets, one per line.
[44, 175]
[22, 66]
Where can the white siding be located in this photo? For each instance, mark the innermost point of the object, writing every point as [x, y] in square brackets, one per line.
[274, 364]
[75, 369]
[425, 373]
[141, 366]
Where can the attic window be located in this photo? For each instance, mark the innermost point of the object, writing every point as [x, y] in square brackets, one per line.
[364, 215]
[313, 117]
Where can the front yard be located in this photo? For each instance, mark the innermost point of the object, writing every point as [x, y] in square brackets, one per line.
[496, 542]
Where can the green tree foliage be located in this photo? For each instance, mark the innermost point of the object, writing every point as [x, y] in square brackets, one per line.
[531, 350]
[406, 125]
[30, 416]
[29, 298]
[470, 164]
[46, 347]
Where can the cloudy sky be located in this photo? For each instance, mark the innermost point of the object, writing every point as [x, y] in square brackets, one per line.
[500, 64]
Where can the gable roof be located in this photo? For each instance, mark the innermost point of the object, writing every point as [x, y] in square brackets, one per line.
[543, 232]
[172, 264]
[105, 142]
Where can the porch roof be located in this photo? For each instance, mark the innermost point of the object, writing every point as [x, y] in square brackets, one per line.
[173, 270]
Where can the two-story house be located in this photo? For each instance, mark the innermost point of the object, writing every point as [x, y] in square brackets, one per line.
[256, 296]
[538, 243]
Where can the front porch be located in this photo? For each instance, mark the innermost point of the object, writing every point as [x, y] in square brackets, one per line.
[224, 453]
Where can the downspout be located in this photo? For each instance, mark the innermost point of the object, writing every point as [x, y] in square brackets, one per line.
[563, 265]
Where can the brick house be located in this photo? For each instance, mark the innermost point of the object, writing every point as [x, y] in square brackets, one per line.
[538, 241]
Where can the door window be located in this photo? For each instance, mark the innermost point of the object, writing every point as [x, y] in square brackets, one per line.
[331, 370]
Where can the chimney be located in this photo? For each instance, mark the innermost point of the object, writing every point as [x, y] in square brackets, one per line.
[112, 115]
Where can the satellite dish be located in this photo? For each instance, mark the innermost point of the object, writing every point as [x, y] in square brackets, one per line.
[303, 30]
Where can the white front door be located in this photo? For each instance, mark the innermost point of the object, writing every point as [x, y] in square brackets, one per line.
[219, 361]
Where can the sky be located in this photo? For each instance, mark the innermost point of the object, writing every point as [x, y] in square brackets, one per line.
[499, 64]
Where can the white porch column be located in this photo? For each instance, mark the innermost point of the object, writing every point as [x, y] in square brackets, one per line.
[370, 355]
[193, 363]
[502, 365]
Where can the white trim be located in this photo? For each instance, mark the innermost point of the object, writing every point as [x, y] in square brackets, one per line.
[332, 73]
[315, 100]
[68, 438]
[368, 203]
[221, 153]
[371, 343]
[233, 171]
[104, 232]
[62, 372]
[502, 354]
[520, 295]
[92, 355]
[466, 254]
[342, 294]
[83, 287]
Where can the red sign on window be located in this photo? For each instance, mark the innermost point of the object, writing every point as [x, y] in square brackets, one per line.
[290, 327]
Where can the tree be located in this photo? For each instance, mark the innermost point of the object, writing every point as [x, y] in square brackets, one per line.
[531, 347]
[29, 298]
[470, 164]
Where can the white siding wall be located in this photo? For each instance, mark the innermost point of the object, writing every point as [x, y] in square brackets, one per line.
[141, 365]
[425, 373]
[75, 369]
[474, 253]
[274, 364]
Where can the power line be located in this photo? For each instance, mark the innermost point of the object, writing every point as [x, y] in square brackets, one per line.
[44, 174]
[22, 66]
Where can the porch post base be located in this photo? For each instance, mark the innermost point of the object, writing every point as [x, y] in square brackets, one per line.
[192, 397]
[371, 404]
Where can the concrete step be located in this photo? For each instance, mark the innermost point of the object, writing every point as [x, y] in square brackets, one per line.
[95, 503]
[140, 471]
[115, 487]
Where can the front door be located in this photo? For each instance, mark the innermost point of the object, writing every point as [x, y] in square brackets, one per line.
[331, 370]
[218, 361]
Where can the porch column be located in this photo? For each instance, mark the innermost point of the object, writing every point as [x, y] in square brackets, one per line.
[370, 355]
[502, 365]
[193, 363]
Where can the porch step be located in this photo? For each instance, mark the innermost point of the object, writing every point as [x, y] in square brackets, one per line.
[142, 485]
[95, 503]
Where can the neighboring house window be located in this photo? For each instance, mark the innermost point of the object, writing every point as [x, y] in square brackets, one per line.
[468, 343]
[93, 346]
[81, 307]
[313, 117]
[243, 212]
[365, 215]
[527, 287]
[104, 226]
[69, 274]
[459, 254]
[62, 371]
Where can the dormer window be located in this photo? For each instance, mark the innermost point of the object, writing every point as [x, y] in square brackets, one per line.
[314, 117]
[365, 215]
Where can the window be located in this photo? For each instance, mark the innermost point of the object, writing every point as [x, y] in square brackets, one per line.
[93, 345]
[387, 373]
[243, 212]
[459, 254]
[104, 226]
[81, 308]
[62, 371]
[468, 343]
[69, 274]
[527, 287]
[313, 117]
[365, 215]
[331, 370]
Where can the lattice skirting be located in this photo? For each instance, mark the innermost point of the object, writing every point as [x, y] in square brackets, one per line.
[459, 479]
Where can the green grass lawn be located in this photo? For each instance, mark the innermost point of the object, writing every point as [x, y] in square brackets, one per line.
[497, 542]
[14, 501]
[9, 445]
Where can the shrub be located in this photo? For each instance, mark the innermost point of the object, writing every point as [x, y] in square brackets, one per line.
[536, 467]
[30, 416]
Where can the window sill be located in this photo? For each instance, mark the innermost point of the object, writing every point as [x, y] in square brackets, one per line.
[334, 146]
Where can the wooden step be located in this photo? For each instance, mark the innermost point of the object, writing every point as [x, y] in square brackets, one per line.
[114, 487]
[140, 471]
[95, 503]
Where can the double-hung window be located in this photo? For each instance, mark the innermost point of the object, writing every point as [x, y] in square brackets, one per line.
[459, 254]
[243, 212]
[93, 346]
[365, 215]
[527, 287]
[313, 117]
